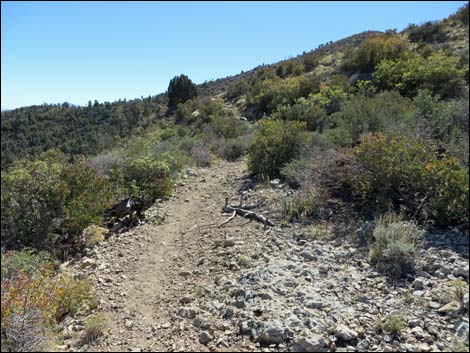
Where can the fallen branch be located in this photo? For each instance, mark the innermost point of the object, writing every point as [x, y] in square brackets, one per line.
[228, 219]
[245, 213]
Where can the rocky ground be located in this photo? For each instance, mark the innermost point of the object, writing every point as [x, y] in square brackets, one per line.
[182, 283]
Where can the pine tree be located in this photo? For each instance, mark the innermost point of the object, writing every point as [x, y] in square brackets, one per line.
[180, 89]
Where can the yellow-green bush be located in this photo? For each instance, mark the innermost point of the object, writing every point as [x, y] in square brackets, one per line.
[26, 260]
[439, 73]
[143, 177]
[275, 142]
[372, 51]
[31, 304]
[267, 95]
[50, 198]
[408, 172]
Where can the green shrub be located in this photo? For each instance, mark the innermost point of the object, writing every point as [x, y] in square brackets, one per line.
[47, 199]
[303, 206]
[461, 15]
[330, 98]
[393, 325]
[372, 51]
[266, 96]
[385, 112]
[237, 89]
[427, 32]
[296, 172]
[407, 172]
[439, 73]
[27, 260]
[275, 143]
[305, 110]
[34, 304]
[94, 328]
[143, 177]
[394, 246]
[235, 148]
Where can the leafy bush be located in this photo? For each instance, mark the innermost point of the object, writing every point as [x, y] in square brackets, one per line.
[266, 96]
[33, 303]
[49, 198]
[408, 172]
[143, 177]
[237, 89]
[303, 110]
[275, 143]
[427, 32]
[372, 51]
[461, 15]
[26, 260]
[394, 246]
[289, 68]
[438, 73]
[305, 205]
[235, 148]
[94, 328]
[385, 112]
[330, 98]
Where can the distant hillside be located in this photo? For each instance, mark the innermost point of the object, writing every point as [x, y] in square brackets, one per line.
[27, 132]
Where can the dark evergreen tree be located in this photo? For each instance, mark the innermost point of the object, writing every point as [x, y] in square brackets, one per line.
[180, 89]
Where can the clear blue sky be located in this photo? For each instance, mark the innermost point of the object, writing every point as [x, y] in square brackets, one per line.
[79, 51]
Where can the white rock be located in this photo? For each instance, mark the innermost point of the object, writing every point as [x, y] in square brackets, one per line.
[345, 333]
[313, 343]
[272, 333]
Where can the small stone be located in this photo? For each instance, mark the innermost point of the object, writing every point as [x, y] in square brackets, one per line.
[415, 322]
[418, 283]
[204, 337]
[314, 343]
[184, 273]
[307, 255]
[128, 323]
[345, 333]
[462, 330]
[186, 299]
[188, 313]
[465, 301]
[445, 270]
[87, 262]
[228, 243]
[418, 332]
[434, 305]
[222, 343]
[418, 293]
[363, 345]
[272, 333]
[452, 308]
[461, 272]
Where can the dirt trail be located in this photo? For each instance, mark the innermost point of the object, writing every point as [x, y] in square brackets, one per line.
[189, 285]
[141, 275]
